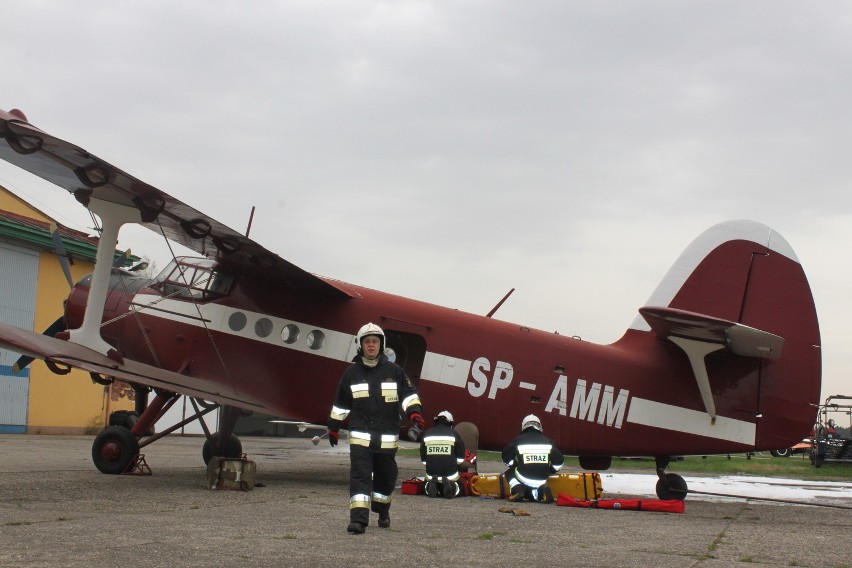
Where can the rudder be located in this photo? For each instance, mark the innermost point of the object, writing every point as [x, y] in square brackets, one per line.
[745, 272]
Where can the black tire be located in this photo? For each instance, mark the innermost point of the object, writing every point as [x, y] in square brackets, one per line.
[785, 453]
[114, 449]
[672, 487]
[231, 448]
[818, 454]
[126, 418]
[131, 421]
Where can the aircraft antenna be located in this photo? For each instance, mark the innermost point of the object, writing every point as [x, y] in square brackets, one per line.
[500, 303]
[251, 218]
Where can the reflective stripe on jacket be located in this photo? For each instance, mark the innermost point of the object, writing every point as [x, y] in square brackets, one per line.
[442, 451]
[372, 398]
[532, 457]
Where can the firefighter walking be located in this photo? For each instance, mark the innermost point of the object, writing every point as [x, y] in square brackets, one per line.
[372, 394]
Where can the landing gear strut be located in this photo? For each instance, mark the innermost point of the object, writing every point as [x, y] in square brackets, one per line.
[669, 485]
[116, 449]
[223, 443]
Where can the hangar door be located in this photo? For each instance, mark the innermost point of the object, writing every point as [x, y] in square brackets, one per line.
[19, 275]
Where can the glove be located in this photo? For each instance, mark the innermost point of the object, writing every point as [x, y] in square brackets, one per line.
[417, 419]
[416, 428]
[332, 437]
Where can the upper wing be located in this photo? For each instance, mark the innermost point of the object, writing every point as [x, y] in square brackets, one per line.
[87, 176]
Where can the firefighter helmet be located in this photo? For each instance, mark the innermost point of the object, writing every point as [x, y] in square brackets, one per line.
[444, 414]
[531, 421]
[370, 329]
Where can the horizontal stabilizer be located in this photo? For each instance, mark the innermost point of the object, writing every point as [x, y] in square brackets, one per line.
[740, 339]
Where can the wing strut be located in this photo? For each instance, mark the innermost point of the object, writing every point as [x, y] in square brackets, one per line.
[113, 217]
[697, 351]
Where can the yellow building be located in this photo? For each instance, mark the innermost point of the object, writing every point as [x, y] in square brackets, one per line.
[37, 401]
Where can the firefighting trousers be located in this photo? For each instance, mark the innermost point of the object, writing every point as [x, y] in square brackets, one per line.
[521, 487]
[372, 478]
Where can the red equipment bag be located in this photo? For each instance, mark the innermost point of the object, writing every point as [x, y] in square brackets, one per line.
[464, 483]
[414, 486]
[659, 505]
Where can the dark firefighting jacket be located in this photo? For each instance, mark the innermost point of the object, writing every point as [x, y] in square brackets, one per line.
[372, 398]
[442, 451]
[532, 458]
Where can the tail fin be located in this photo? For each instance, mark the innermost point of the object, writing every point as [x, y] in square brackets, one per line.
[740, 288]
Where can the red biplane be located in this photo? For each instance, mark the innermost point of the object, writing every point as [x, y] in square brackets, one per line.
[724, 358]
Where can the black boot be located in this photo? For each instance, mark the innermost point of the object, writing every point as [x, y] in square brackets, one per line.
[545, 494]
[384, 519]
[355, 528]
[449, 489]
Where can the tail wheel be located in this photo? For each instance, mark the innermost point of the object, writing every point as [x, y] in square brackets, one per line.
[114, 449]
[231, 447]
[672, 486]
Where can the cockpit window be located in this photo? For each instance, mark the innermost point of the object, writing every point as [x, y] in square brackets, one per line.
[197, 278]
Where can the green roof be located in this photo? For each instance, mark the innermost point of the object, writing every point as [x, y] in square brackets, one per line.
[30, 231]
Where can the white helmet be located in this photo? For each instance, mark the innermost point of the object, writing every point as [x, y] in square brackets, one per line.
[531, 421]
[370, 329]
[445, 414]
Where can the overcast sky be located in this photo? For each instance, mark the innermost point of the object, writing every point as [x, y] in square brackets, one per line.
[452, 150]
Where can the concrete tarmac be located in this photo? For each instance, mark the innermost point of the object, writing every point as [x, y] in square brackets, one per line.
[56, 509]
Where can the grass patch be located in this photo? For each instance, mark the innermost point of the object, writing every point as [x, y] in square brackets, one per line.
[797, 467]
[716, 542]
[489, 536]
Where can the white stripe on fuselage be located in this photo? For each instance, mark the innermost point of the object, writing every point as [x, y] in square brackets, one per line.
[438, 368]
[281, 332]
[677, 419]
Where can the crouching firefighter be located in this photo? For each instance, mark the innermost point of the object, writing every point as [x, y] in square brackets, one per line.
[531, 459]
[442, 452]
[372, 394]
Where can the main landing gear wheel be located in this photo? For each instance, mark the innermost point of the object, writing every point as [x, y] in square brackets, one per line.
[785, 453]
[231, 448]
[672, 486]
[114, 449]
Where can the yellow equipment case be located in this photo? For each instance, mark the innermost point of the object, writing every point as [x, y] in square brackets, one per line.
[577, 485]
[489, 485]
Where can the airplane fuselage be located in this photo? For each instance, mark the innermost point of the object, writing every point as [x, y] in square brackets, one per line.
[284, 351]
